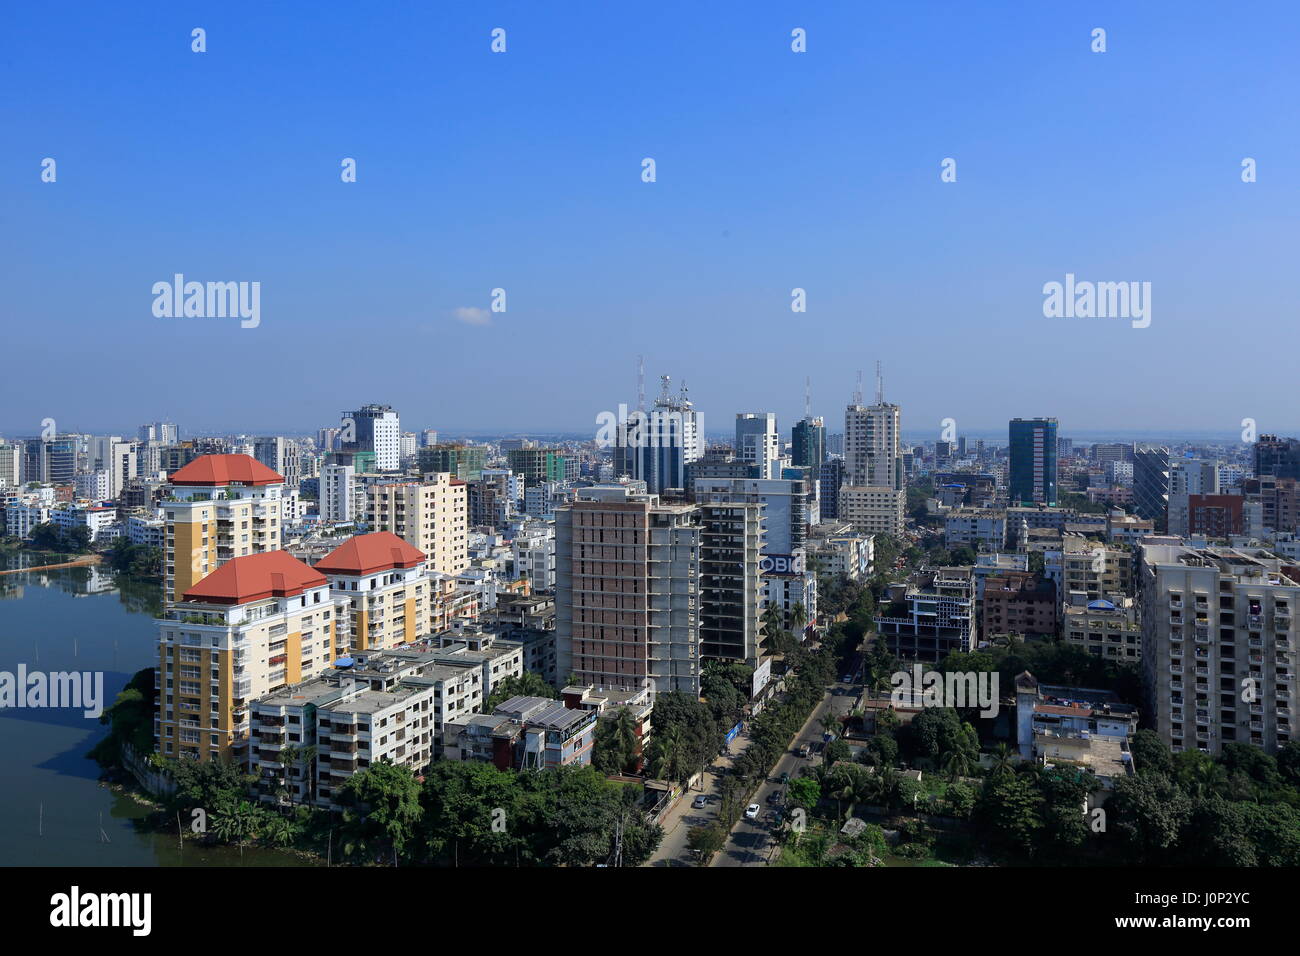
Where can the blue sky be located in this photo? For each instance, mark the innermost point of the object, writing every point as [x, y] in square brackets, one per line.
[775, 170]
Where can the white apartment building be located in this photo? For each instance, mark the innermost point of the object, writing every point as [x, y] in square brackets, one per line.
[338, 494]
[1218, 646]
[533, 554]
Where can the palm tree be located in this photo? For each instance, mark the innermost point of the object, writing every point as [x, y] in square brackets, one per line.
[236, 824]
[798, 617]
[308, 755]
[957, 763]
[830, 722]
[669, 754]
[288, 758]
[1004, 761]
[773, 624]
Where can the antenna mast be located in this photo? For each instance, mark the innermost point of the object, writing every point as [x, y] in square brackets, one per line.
[807, 397]
[640, 382]
[857, 395]
[880, 384]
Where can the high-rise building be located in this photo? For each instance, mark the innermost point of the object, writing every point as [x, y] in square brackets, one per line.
[432, 515]
[1151, 484]
[731, 585]
[464, 462]
[656, 446]
[11, 465]
[377, 429]
[1031, 473]
[338, 494]
[873, 496]
[218, 507]
[808, 443]
[627, 591]
[1218, 646]
[383, 592]
[1188, 477]
[1279, 457]
[537, 465]
[757, 442]
[115, 457]
[258, 623]
[830, 477]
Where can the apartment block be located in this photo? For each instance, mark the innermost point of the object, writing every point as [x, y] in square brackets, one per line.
[731, 585]
[627, 591]
[1017, 602]
[217, 508]
[383, 591]
[1219, 646]
[524, 733]
[258, 623]
[432, 515]
[1103, 628]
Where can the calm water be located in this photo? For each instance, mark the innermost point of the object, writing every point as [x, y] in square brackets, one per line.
[54, 809]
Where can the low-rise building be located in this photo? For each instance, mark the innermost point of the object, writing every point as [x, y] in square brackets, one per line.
[1075, 727]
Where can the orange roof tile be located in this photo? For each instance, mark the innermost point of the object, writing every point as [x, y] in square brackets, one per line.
[224, 470]
[368, 553]
[254, 577]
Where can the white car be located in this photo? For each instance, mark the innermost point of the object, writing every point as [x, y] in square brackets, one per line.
[751, 812]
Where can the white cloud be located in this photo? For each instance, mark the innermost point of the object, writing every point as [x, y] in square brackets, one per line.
[472, 316]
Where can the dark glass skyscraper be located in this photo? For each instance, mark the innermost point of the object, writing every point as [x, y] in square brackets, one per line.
[808, 443]
[1032, 473]
[1151, 484]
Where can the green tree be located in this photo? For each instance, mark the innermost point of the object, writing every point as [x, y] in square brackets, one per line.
[381, 807]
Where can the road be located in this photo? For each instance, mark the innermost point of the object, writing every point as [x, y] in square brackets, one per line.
[749, 843]
[677, 824]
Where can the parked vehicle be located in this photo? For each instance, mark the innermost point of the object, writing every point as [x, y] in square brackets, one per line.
[751, 812]
[804, 751]
[700, 802]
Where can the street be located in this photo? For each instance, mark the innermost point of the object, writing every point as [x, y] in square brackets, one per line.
[749, 842]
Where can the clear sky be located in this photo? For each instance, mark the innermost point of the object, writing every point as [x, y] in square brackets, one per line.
[522, 171]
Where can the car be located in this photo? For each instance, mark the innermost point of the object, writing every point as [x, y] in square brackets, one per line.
[774, 796]
[700, 802]
[804, 751]
[785, 776]
[847, 679]
[751, 812]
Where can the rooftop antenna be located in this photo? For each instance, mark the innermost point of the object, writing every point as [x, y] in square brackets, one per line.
[807, 397]
[663, 394]
[880, 384]
[640, 382]
[857, 395]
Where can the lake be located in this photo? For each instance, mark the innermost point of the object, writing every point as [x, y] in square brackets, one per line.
[58, 814]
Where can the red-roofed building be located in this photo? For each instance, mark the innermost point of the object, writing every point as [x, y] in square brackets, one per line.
[214, 471]
[371, 553]
[254, 577]
[256, 624]
[383, 585]
[218, 507]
